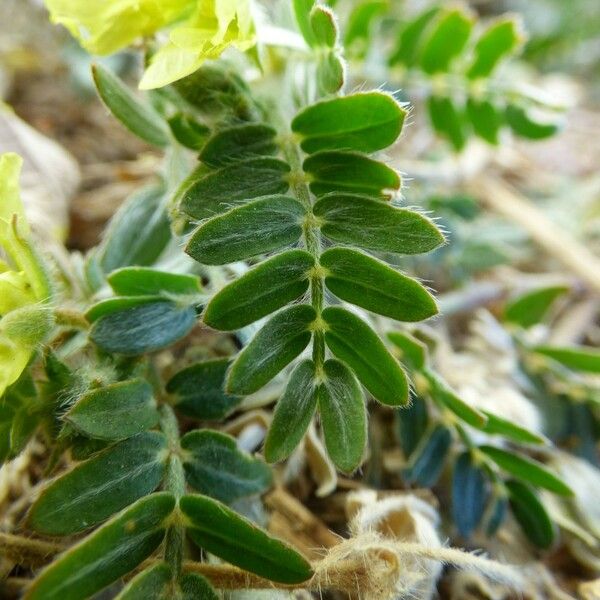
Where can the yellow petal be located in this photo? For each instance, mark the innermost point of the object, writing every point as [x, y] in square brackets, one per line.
[214, 26]
[10, 198]
[14, 231]
[15, 291]
[13, 360]
[169, 64]
[105, 26]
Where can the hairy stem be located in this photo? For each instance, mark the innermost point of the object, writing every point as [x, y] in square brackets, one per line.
[174, 483]
[312, 240]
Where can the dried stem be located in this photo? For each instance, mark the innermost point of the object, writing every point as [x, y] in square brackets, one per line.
[506, 201]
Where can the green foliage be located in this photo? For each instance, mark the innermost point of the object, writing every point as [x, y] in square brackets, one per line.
[439, 419]
[530, 308]
[198, 390]
[215, 467]
[225, 534]
[363, 122]
[97, 488]
[457, 63]
[265, 288]
[116, 411]
[343, 415]
[531, 514]
[469, 494]
[110, 552]
[147, 327]
[291, 182]
[140, 118]
[355, 343]
[281, 340]
[259, 227]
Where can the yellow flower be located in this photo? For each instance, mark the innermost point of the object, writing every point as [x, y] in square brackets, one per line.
[106, 26]
[214, 26]
[200, 30]
[25, 289]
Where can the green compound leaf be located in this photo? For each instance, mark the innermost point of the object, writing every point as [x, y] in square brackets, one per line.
[343, 415]
[498, 41]
[527, 469]
[530, 308]
[365, 122]
[115, 411]
[215, 467]
[151, 584]
[256, 228]
[375, 225]
[222, 532]
[99, 487]
[232, 185]
[427, 460]
[350, 172]
[447, 40]
[143, 329]
[372, 284]
[413, 352]
[139, 231]
[447, 120]
[261, 291]
[293, 413]
[139, 117]
[485, 118]
[107, 554]
[525, 126]
[496, 425]
[356, 344]
[197, 390]
[144, 281]
[195, 587]
[530, 514]
[188, 132]
[581, 358]
[406, 50]
[324, 26]
[445, 396]
[282, 339]
[469, 494]
[239, 143]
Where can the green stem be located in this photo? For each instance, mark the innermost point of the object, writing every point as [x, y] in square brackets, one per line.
[312, 240]
[174, 483]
